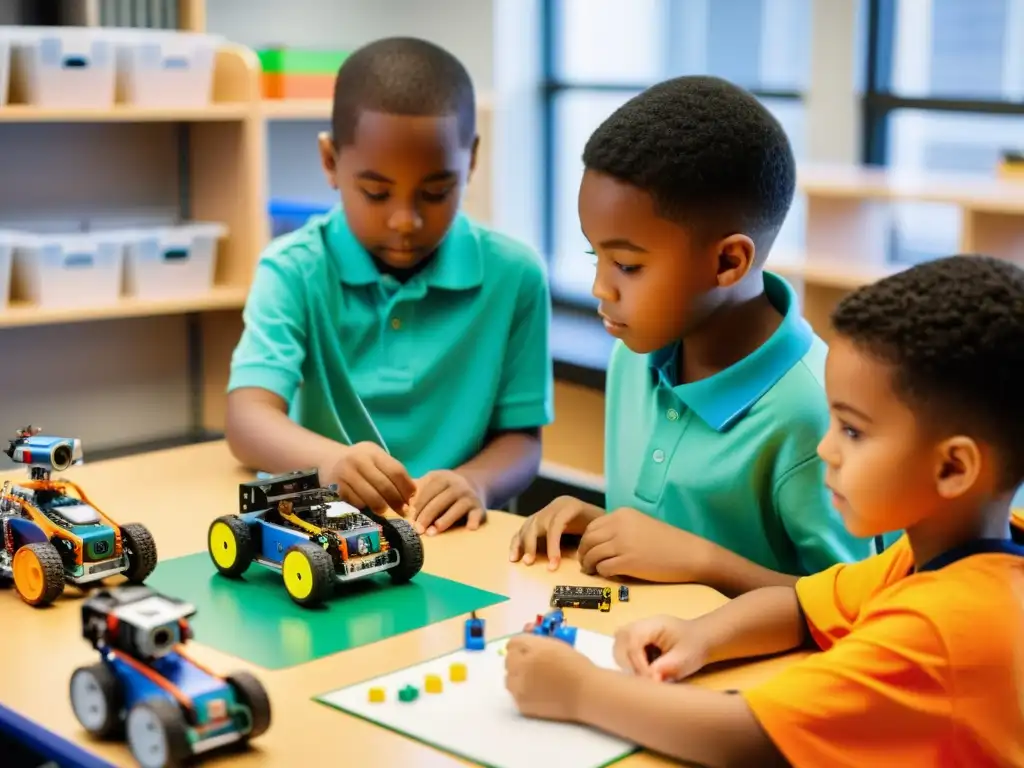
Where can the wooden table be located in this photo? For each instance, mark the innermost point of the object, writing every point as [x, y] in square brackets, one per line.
[176, 493]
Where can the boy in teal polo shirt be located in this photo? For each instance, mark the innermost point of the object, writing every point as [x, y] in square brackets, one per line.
[715, 398]
[393, 343]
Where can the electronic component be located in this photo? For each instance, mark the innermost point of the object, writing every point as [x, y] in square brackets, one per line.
[582, 597]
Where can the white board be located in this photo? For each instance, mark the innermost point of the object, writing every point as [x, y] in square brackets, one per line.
[477, 719]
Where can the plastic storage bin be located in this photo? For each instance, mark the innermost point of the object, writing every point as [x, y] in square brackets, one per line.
[68, 270]
[288, 215]
[63, 67]
[172, 262]
[7, 240]
[160, 68]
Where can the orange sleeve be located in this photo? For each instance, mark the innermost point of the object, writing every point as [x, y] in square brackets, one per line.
[831, 600]
[880, 696]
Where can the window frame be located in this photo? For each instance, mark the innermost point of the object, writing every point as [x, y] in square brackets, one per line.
[550, 87]
[879, 101]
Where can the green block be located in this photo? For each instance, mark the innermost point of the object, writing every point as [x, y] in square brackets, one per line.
[292, 61]
[254, 619]
[409, 693]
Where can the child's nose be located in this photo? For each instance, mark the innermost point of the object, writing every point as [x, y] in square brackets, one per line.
[827, 450]
[405, 221]
[602, 290]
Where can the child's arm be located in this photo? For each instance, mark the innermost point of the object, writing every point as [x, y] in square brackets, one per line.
[262, 436]
[628, 542]
[550, 680]
[506, 466]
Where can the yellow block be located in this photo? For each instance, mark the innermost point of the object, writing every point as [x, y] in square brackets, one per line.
[457, 672]
[376, 695]
[432, 684]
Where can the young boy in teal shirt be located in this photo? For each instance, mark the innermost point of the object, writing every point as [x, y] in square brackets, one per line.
[394, 344]
[715, 400]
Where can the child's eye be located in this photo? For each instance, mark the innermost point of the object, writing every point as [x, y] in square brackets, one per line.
[851, 432]
[628, 269]
[436, 196]
[377, 197]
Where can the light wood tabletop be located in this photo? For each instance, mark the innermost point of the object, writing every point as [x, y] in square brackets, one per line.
[177, 493]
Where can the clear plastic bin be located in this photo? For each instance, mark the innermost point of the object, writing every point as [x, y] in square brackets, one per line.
[7, 240]
[68, 270]
[63, 67]
[161, 68]
[172, 262]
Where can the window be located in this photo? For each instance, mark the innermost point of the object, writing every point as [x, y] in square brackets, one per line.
[600, 53]
[945, 93]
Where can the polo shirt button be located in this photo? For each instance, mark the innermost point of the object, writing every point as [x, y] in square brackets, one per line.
[658, 456]
[672, 414]
[396, 323]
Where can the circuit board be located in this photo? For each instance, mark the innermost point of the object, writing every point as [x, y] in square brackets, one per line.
[582, 597]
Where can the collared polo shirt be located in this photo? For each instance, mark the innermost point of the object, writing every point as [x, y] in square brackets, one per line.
[425, 368]
[733, 457]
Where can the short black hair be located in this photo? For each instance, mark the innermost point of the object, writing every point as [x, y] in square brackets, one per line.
[953, 331]
[710, 154]
[402, 76]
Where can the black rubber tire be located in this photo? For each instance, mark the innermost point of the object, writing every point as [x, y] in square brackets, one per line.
[175, 731]
[53, 573]
[252, 694]
[322, 567]
[113, 696]
[403, 537]
[245, 550]
[141, 548]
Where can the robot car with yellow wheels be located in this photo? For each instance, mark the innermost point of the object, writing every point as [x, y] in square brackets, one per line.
[53, 534]
[290, 524]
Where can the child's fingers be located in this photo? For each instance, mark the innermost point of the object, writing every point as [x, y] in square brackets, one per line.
[397, 475]
[363, 489]
[454, 513]
[434, 508]
[553, 542]
[529, 541]
[385, 489]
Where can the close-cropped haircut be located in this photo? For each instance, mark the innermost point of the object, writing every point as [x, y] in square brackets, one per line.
[953, 332]
[712, 157]
[402, 76]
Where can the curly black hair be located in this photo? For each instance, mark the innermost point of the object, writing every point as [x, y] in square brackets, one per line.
[402, 76]
[712, 156]
[953, 331]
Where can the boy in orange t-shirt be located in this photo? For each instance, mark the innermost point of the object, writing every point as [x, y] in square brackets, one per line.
[921, 658]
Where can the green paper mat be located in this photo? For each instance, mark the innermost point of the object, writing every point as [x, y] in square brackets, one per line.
[254, 619]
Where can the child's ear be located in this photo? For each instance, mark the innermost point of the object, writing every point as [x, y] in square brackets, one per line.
[959, 466]
[328, 158]
[735, 258]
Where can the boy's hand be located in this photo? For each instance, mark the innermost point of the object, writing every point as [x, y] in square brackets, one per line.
[545, 676]
[442, 499]
[368, 476]
[629, 543]
[664, 648]
[563, 515]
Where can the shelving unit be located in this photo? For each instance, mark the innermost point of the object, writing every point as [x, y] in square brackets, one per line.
[849, 222]
[161, 365]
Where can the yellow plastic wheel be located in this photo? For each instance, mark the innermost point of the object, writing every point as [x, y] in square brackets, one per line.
[38, 573]
[308, 573]
[230, 545]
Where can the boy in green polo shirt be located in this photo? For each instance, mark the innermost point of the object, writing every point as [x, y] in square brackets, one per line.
[394, 344]
[715, 399]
